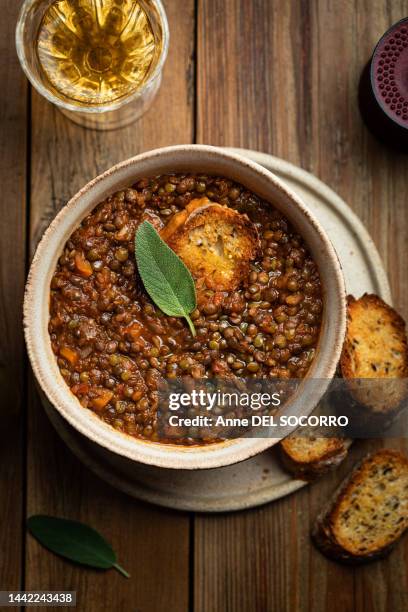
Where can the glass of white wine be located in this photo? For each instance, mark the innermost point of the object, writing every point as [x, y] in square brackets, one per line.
[98, 61]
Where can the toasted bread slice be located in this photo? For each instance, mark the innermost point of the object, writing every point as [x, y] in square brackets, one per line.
[215, 242]
[369, 512]
[308, 457]
[375, 347]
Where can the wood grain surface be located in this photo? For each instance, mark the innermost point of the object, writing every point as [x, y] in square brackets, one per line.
[279, 77]
[285, 80]
[63, 158]
[13, 133]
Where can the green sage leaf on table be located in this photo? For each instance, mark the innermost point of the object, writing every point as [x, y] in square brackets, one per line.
[74, 541]
[166, 278]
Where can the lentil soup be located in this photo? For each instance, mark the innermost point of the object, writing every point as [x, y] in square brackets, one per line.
[113, 345]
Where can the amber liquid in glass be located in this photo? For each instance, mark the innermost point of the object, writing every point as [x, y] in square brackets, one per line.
[95, 51]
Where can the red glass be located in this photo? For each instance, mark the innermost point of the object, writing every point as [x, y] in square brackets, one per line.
[384, 88]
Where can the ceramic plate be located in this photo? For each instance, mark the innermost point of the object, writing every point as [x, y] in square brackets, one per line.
[261, 479]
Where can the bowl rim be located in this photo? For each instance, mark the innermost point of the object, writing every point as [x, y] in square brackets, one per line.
[85, 421]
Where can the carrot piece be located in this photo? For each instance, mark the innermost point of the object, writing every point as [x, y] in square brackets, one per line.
[82, 265]
[134, 330]
[69, 354]
[104, 397]
[137, 395]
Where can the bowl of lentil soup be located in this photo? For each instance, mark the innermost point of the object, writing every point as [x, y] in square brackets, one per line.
[85, 307]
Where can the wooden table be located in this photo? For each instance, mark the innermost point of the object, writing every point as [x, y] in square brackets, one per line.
[275, 76]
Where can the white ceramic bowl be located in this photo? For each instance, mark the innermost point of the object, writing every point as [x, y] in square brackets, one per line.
[190, 158]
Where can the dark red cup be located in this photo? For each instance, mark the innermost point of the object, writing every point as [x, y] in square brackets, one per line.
[383, 91]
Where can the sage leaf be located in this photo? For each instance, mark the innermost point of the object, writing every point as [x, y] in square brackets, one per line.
[74, 541]
[166, 278]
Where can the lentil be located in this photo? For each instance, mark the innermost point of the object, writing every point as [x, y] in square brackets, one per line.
[113, 345]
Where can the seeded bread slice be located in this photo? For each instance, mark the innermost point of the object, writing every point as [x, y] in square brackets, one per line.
[215, 242]
[308, 457]
[369, 512]
[375, 347]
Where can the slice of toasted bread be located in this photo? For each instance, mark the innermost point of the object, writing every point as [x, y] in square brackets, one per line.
[308, 457]
[375, 347]
[369, 512]
[215, 242]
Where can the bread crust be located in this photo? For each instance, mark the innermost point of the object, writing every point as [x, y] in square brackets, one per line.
[366, 357]
[216, 243]
[323, 531]
[311, 468]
